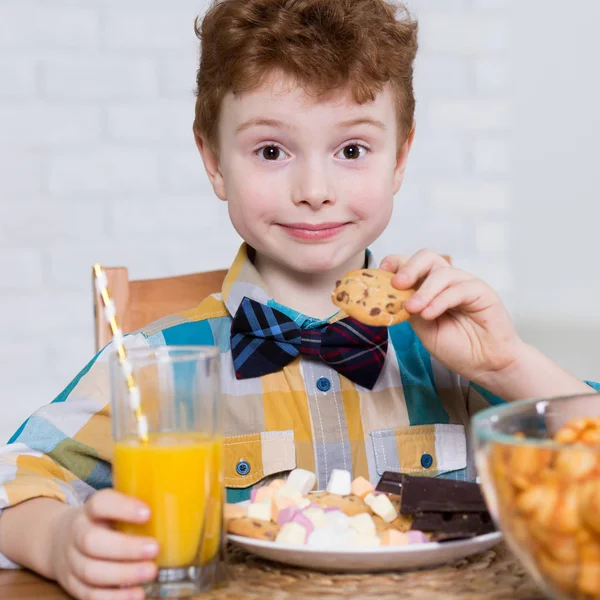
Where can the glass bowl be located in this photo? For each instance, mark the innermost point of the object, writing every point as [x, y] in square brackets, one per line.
[539, 467]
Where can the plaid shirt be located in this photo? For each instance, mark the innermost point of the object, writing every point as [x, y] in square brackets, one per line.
[415, 419]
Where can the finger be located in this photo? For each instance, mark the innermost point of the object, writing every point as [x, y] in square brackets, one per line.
[110, 505]
[417, 267]
[93, 572]
[464, 294]
[80, 590]
[434, 284]
[104, 543]
[393, 262]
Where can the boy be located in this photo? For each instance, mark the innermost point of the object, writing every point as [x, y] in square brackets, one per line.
[304, 121]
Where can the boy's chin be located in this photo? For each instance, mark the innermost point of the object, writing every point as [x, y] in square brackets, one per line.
[313, 263]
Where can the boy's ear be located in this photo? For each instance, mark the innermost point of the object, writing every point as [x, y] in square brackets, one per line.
[211, 164]
[402, 158]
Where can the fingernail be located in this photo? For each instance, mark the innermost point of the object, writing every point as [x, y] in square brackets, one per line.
[402, 275]
[143, 513]
[415, 301]
[150, 549]
[146, 573]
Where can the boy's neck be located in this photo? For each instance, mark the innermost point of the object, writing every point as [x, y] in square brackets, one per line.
[308, 293]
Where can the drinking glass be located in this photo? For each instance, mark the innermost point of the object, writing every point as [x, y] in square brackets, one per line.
[178, 469]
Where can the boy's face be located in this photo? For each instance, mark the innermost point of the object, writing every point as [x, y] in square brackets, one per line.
[309, 184]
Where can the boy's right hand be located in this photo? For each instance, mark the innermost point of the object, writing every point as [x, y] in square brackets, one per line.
[92, 561]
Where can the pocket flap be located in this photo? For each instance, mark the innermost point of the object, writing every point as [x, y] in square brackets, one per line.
[250, 458]
[421, 449]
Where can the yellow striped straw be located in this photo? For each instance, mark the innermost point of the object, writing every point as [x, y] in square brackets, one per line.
[110, 312]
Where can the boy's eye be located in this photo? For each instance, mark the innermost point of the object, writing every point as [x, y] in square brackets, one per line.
[271, 152]
[352, 151]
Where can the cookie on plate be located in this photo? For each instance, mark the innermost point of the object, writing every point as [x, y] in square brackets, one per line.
[368, 296]
[350, 505]
[253, 528]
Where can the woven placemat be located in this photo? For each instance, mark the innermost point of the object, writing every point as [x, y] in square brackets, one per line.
[492, 575]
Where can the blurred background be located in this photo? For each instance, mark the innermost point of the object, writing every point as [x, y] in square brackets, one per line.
[98, 164]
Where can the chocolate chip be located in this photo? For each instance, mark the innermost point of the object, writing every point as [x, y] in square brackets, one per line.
[367, 275]
[343, 297]
[337, 283]
[392, 308]
[391, 296]
[366, 293]
[375, 311]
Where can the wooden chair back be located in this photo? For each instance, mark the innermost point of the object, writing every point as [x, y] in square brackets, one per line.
[141, 302]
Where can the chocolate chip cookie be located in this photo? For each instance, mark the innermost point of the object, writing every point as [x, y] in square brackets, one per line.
[368, 296]
[253, 528]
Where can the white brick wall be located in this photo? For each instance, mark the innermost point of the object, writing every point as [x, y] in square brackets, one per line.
[97, 158]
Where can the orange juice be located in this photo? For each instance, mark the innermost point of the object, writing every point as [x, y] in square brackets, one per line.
[179, 476]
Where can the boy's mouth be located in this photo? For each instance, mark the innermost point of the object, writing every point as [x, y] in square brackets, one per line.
[313, 231]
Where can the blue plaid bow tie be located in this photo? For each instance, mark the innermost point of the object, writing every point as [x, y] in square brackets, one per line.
[264, 340]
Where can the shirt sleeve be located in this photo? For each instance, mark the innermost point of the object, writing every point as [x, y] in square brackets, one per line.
[64, 450]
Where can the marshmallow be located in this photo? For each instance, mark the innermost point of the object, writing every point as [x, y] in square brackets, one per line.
[370, 498]
[277, 484]
[260, 510]
[304, 503]
[392, 537]
[417, 537]
[287, 514]
[305, 522]
[363, 524]
[278, 504]
[382, 506]
[292, 533]
[316, 516]
[338, 520]
[340, 482]
[361, 487]
[262, 493]
[321, 538]
[302, 480]
[361, 540]
[289, 491]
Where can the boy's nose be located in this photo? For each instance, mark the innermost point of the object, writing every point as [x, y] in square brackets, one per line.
[313, 186]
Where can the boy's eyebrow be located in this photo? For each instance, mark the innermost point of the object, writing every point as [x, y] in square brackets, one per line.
[265, 122]
[362, 121]
[275, 123]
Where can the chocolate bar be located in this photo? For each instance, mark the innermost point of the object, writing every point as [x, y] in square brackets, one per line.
[452, 526]
[432, 494]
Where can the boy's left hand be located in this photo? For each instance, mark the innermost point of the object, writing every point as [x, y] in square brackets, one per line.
[459, 319]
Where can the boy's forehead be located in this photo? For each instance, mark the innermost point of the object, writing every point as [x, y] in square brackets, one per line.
[281, 95]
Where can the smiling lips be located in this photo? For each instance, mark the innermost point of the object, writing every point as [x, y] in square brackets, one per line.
[309, 231]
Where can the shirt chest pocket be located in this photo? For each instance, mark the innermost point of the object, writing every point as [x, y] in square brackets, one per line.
[250, 458]
[427, 450]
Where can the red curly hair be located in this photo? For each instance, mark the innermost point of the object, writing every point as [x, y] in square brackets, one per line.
[323, 45]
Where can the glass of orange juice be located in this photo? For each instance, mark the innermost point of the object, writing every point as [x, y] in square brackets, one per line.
[178, 469]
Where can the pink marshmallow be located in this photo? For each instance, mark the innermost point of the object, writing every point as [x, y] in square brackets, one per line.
[287, 514]
[417, 537]
[305, 522]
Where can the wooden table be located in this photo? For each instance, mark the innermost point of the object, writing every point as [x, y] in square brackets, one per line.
[491, 575]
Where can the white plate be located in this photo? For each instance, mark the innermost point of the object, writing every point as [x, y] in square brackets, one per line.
[388, 558]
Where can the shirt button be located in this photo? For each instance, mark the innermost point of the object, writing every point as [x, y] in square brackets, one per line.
[324, 384]
[426, 461]
[242, 468]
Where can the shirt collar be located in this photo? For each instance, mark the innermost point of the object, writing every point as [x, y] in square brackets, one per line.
[243, 280]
